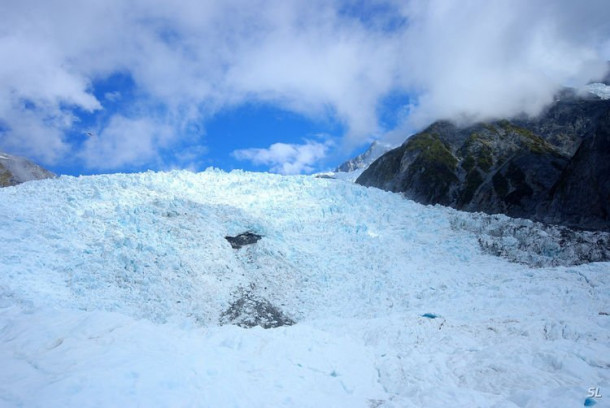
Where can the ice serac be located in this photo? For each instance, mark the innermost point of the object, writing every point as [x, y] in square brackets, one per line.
[16, 170]
[553, 168]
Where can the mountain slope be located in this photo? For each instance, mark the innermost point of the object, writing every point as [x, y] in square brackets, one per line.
[582, 193]
[113, 291]
[551, 169]
[16, 170]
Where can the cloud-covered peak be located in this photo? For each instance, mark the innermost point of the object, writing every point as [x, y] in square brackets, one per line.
[477, 60]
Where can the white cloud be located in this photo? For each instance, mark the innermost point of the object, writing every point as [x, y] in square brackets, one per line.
[475, 60]
[126, 142]
[462, 59]
[112, 96]
[35, 130]
[286, 158]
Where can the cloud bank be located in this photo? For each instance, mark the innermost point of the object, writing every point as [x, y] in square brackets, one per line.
[476, 60]
[286, 158]
[462, 60]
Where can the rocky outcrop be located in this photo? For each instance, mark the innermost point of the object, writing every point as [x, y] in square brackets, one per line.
[553, 169]
[16, 170]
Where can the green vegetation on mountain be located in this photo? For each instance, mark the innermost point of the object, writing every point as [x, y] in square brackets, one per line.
[519, 167]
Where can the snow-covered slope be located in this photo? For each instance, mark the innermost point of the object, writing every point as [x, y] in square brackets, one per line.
[112, 289]
[15, 170]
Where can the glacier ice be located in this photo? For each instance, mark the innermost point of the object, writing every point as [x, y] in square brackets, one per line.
[112, 288]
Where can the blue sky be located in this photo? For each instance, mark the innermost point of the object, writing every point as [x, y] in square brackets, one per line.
[209, 142]
[287, 86]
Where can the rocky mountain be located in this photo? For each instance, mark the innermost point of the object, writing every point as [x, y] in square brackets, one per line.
[554, 168]
[16, 170]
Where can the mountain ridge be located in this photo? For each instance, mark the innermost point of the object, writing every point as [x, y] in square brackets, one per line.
[15, 170]
[552, 168]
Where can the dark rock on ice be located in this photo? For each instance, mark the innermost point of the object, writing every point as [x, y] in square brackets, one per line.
[250, 310]
[246, 238]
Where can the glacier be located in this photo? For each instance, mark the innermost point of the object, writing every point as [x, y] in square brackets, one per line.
[113, 288]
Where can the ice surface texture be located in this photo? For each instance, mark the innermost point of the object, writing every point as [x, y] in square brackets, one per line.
[112, 289]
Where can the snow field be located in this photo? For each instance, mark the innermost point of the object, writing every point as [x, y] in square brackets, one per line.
[111, 288]
[75, 358]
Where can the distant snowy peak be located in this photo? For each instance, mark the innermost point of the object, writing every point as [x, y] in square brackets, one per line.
[353, 168]
[16, 170]
[362, 161]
